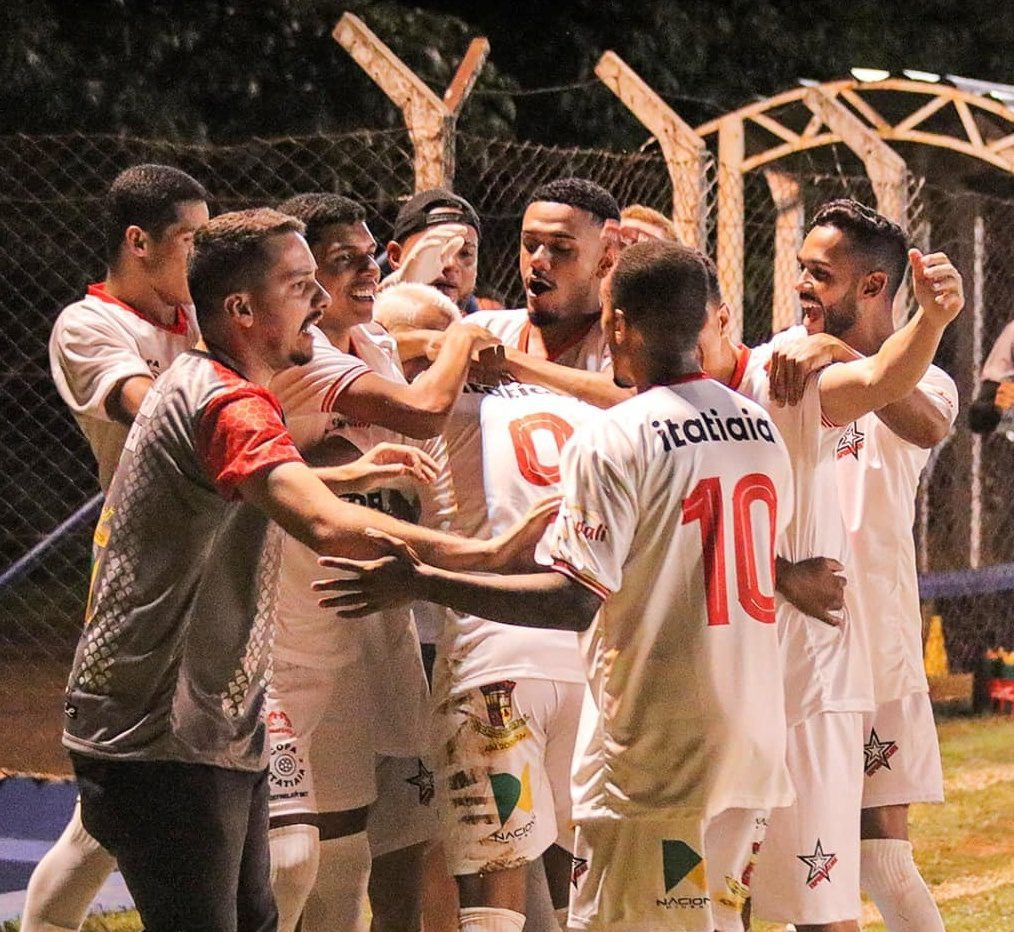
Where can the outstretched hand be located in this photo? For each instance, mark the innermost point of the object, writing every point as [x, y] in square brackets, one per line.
[514, 550]
[370, 586]
[384, 463]
[791, 365]
[431, 254]
[937, 285]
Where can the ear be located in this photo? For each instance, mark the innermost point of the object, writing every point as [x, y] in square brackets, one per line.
[621, 329]
[237, 306]
[873, 285]
[608, 257]
[724, 316]
[393, 254]
[135, 240]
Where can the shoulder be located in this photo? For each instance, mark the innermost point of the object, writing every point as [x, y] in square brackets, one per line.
[503, 324]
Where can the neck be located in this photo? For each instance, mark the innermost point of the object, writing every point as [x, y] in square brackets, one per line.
[139, 293]
[870, 331]
[560, 333]
[724, 368]
[337, 333]
[649, 370]
[241, 358]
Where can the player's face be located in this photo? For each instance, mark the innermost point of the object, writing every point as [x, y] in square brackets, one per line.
[167, 255]
[563, 261]
[829, 282]
[348, 272]
[457, 277]
[286, 302]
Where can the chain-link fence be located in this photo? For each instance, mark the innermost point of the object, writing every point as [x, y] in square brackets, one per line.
[50, 248]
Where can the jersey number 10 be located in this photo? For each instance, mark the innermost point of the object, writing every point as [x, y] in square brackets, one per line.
[706, 505]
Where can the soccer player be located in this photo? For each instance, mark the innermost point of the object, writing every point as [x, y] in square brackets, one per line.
[663, 559]
[878, 462]
[164, 702]
[347, 708]
[808, 870]
[639, 222]
[104, 352]
[435, 242]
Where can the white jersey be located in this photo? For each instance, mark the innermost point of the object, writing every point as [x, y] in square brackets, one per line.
[672, 504]
[827, 669]
[878, 475]
[96, 344]
[306, 634]
[504, 445]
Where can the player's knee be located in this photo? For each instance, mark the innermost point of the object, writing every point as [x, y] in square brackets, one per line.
[295, 856]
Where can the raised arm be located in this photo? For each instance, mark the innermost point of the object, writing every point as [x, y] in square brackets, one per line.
[420, 408]
[850, 390]
[595, 388]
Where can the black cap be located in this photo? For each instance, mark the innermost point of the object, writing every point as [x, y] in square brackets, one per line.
[431, 208]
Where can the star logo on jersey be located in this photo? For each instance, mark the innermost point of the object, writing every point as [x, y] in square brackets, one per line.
[578, 868]
[423, 781]
[877, 753]
[851, 442]
[819, 865]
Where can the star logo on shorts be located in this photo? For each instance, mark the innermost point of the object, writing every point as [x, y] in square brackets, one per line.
[877, 753]
[423, 780]
[819, 865]
[578, 868]
[851, 442]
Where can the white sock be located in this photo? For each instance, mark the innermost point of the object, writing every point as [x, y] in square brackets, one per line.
[888, 873]
[561, 917]
[295, 852]
[489, 919]
[66, 880]
[338, 900]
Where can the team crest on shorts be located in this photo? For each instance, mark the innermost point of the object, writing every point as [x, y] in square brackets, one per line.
[511, 795]
[682, 865]
[578, 868]
[286, 773]
[504, 727]
[850, 442]
[818, 864]
[877, 753]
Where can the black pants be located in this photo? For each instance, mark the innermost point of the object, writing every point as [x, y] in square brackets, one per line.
[191, 841]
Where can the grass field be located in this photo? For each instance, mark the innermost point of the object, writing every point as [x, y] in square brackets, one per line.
[965, 847]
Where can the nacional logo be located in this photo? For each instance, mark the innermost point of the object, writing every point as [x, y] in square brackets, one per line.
[423, 781]
[819, 865]
[877, 753]
[682, 865]
[578, 868]
[850, 443]
[510, 795]
[504, 728]
[154, 366]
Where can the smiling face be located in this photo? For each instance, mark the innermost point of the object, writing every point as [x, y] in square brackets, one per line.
[563, 262]
[830, 282]
[165, 259]
[347, 270]
[286, 302]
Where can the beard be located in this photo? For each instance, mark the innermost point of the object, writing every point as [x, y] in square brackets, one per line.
[541, 318]
[840, 318]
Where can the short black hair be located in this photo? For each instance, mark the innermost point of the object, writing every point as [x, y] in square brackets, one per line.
[318, 210]
[714, 286]
[146, 196]
[229, 255]
[581, 193]
[662, 288]
[879, 239]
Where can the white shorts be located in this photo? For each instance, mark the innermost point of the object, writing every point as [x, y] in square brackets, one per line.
[902, 754]
[504, 754]
[808, 869]
[322, 752]
[405, 813]
[688, 874]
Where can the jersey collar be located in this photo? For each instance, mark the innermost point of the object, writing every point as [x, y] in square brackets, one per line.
[526, 334]
[742, 358]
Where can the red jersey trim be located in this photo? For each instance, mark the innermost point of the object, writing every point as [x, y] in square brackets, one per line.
[338, 386]
[565, 569]
[526, 333]
[178, 328]
[742, 358]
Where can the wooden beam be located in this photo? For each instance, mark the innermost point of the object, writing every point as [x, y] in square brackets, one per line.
[789, 220]
[886, 169]
[729, 254]
[968, 122]
[924, 112]
[775, 128]
[684, 151]
[465, 77]
[865, 108]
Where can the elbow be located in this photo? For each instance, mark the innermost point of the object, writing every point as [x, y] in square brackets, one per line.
[425, 425]
[932, 435]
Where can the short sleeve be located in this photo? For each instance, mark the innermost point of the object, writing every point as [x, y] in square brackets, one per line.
[591, 539]
[314, 388]
[940, 389]
[88, 356]
[240, 434]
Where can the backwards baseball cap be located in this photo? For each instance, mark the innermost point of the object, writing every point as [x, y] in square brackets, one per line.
[431, 208]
